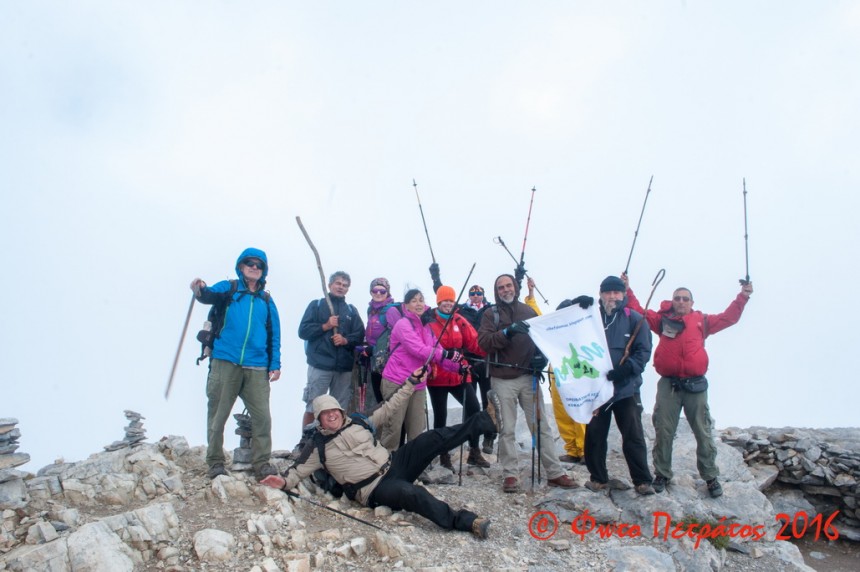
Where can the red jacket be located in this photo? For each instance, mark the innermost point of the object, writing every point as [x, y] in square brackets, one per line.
[460, 336]
[684, 355]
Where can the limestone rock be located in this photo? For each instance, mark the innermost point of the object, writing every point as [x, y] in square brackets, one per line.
[639, 559]
[213, 545]
[95, 547]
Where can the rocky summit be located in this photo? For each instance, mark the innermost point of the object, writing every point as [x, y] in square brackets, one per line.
[150, 506]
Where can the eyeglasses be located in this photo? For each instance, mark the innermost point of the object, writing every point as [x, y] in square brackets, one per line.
[476, 293]
[682, 298]
[254, 264]
[379, 291]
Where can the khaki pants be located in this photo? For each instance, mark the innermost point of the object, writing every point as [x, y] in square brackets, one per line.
[226, 382]
[413, 415]
[519, 390]
[667, 414]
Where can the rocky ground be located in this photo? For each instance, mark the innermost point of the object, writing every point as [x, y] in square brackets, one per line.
[151, 507]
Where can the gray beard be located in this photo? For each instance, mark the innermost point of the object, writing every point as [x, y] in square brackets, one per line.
[609, 307]
[509, 299]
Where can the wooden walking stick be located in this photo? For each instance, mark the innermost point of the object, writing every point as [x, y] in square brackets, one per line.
[179, 348]
[319, 267]
[657, 279]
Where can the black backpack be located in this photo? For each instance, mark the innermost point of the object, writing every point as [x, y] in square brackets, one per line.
[217, 314]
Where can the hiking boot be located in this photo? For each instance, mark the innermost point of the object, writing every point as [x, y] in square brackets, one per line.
[481, 527]
[476, 459]
[618, 485]
[264, 471]
[660, 483]
[510, 485]
[563, 482]
[645, 489]
[596, 487]
[445, 461]
[570, 459]
[494, 409]
[488, 445]
[216, 470]
[714, 488]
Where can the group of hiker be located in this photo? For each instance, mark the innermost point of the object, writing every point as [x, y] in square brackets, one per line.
[409, 352]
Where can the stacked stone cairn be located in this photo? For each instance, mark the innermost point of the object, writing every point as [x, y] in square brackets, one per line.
[134, 433]
[13, 491]
[242, 454]
[822, 463]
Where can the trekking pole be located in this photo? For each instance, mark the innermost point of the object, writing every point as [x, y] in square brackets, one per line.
[657, 279]
[636, 234]
[745, 281]
[423, 220]
[534, 425]
[315, 503]
[462, 420]
[179, 348]
[498, 240]
[319, 267]
[526, 234]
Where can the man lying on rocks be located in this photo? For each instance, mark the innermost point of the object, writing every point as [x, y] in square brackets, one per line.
[371, 475]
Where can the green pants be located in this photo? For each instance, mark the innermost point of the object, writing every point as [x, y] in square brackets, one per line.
[226, 382]
[667, 413]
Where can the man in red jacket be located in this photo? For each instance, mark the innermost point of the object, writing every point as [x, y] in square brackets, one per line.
[681, 361]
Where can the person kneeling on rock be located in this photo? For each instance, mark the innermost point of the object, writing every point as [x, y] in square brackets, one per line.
[371, 475]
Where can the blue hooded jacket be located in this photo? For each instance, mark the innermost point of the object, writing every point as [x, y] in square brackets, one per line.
[244, 339]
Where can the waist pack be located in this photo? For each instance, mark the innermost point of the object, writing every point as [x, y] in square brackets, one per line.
[696, 384]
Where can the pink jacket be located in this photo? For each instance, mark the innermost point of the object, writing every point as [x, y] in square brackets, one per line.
[411, 344]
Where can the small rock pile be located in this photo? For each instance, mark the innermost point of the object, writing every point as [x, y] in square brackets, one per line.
[13, 491]
[134, 433]
[242, 454]
[823, 463]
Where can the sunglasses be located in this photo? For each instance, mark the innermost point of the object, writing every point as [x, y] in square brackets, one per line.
[682, 298]
[254, 264]
[476, 293]
[379, 291]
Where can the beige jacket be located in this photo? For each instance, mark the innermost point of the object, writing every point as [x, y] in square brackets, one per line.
[354, 454]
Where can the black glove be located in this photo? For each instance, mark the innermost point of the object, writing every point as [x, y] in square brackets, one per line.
[584, 302]
[452, 355]
[564, 304]
[516, 328]
[520, 272]
[414, 380]
[434, 274]
[620, 373]
[464, 367]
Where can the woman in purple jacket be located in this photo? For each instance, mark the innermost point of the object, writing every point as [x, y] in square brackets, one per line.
[412, 343]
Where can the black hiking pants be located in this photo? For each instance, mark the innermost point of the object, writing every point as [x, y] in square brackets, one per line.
[465, 396]
[628, 418]
[398, 490]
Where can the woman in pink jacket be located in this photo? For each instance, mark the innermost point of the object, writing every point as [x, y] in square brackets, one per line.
[412, 343]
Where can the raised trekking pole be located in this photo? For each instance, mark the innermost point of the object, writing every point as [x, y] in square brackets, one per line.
[657, 279]
[315, 503]
[319, 267]
[423, 220]
[526, 234]
[498, 240]
[179, 348]
[636, 234]
[745, 281]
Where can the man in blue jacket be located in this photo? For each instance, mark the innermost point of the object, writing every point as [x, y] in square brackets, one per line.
[620, 325]
[246, 357]
[330, 340]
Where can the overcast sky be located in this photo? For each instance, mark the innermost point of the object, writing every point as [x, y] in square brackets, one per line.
[144, 144]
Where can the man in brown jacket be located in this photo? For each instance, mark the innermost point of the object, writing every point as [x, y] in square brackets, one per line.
[504, 336]
[372, 476]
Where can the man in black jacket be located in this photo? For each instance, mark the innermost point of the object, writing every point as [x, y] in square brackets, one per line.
[330, 340]
[620, 324]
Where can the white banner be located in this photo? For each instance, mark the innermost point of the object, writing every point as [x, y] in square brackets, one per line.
[574, 342]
